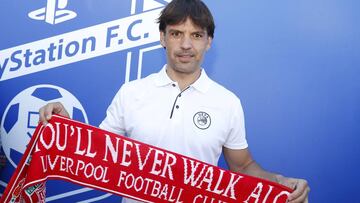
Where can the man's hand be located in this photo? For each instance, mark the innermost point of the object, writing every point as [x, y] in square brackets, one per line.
[49, 109]
[300, 187]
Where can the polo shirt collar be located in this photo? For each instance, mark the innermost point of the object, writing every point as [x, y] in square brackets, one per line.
[202, 84]
[162, 78]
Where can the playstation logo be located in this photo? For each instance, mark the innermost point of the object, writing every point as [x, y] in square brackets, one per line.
[53, 13]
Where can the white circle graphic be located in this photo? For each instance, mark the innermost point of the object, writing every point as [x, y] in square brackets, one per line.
[21, 116]
[202, 120]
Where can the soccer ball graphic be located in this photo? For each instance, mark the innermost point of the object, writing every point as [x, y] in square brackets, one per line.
[21, 116]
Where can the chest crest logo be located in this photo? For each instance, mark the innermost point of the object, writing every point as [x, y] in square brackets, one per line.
[202, 120]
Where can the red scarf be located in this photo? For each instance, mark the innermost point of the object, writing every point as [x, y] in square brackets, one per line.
[69, 150]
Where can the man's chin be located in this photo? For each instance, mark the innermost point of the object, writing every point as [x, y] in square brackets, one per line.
[187, 68]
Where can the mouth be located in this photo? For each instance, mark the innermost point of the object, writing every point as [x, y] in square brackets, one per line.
[185, 57]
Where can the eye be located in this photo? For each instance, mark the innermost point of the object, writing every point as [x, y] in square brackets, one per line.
[197, 35]
[175, 34]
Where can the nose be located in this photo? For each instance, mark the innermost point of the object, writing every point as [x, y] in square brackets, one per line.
[186, 42]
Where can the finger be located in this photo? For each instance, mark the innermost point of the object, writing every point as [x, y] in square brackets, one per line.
[48, 111]
[60, 109]
[42, 115]
[300, 188]
[45, 113]
[303, 198]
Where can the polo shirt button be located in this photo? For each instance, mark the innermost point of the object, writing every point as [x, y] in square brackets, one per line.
[173, 85]
[177, 106]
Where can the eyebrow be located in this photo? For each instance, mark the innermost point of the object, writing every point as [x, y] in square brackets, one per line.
[200, 32]
[174, 30]
[195, 32]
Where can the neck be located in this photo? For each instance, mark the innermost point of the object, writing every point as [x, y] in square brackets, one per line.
[183, 79]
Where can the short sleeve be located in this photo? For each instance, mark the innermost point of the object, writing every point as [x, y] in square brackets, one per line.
[236, 137]
[114, 120]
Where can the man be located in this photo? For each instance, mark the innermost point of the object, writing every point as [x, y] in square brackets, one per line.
[180, 108]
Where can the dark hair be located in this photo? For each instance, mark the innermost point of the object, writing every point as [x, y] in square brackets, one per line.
[178, 11]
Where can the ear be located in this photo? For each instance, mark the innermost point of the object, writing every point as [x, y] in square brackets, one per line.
[208, 46]
[162, 39]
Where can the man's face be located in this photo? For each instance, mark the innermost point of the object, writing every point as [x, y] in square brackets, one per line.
[185, 45]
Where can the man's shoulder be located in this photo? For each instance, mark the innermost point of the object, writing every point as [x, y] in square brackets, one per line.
[141, 84]
[222, 92]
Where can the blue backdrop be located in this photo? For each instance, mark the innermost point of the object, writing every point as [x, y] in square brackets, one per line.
[294, 64]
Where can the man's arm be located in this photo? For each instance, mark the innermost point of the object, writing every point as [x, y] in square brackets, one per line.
[240, 160]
